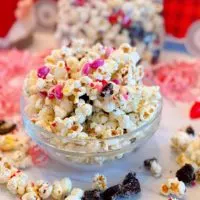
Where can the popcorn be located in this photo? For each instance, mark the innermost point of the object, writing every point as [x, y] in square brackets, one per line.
[99, 182]
[153, 165]
[173, 187]
[76, 194]
[187, 144]
[17, 184]
[98, 93]
[61, 188]
[30, 196]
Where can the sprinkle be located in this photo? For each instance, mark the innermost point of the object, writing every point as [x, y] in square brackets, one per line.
[58, 92]
[43, 94]
[126, 96]
[86, 69]
[97, 63]
[108, 52]
[43, 72]
[116, 81]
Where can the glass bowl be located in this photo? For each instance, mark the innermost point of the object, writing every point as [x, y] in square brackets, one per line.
[90, 151]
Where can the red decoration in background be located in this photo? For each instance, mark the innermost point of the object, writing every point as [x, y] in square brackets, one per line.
[179, 15]
[178, 81]
[7, 15]
[195, 111]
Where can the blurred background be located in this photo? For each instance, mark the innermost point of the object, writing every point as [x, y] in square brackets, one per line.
[166, 34]
[150, 25]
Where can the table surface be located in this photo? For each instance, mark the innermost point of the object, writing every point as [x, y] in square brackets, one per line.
[174, 116]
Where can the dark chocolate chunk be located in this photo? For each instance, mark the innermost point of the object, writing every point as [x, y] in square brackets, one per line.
[129, 178]
[131, 188]
[6, 127]
[186, 174]
[147, 163]
[92, 195]
[112, 192]
[107, 90]
[190, 131]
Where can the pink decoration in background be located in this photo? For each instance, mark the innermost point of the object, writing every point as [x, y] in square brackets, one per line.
[179, 81]
[38, 155]
[14, 65]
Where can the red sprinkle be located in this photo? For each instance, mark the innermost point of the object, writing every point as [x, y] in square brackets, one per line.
[126, 22]
[86, 69]
[43, 94]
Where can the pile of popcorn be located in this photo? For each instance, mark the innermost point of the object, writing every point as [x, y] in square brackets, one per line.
[113, 22]
[90, 93]
[14, 145]
[18, 183]
[187, 144]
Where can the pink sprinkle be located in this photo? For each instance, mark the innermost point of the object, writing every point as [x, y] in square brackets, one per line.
[43, 93]
[125, 96]
[126, 22]
[97, 63]
[109, 50]
[43, 72]
[116, 81]
[86, 69]
[80, 2]
[58, 91]
[99, 87]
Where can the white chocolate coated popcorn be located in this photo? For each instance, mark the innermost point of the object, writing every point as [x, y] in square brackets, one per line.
[100, 95]
[156, 169]
[61, 188]
[17, 184]
[99, 182]
[173, 187]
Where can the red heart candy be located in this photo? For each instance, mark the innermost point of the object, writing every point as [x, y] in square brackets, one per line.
[195, 111]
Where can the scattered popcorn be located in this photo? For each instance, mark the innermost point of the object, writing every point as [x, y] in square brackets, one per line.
[153, 165]
[85, 102]
[61, 188]
[187, 144]
[99, 182]
[173, 187]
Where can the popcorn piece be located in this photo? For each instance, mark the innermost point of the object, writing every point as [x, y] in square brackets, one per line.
[180, 141]
[173, 187]
[30, 196]
[99, 182]
[61, 188]
[17, 184]
[153, 165]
